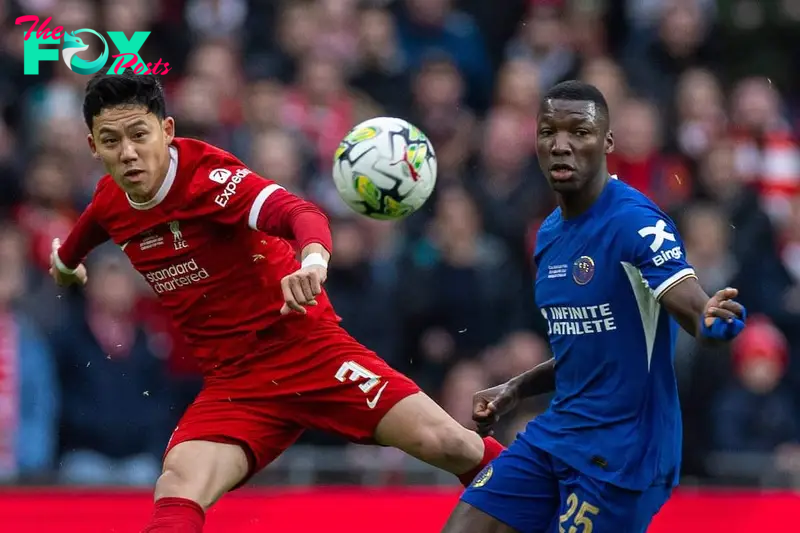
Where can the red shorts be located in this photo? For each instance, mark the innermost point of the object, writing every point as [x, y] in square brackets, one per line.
[319, 378]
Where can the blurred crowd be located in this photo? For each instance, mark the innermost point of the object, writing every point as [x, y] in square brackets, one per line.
[93, 381]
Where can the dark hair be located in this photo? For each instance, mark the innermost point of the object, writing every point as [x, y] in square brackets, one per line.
[577, 91]
[111, 90]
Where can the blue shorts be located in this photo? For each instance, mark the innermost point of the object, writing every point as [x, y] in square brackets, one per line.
[533, 492]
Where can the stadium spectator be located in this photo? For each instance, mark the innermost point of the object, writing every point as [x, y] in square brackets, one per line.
[29, 390]
[115, 404]
[755, 413]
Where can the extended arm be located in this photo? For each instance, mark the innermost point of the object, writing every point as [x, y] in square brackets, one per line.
[285, 215]
[263, 205]
[654, 253]
[717, 317]
[67, 258]
[490, 404]
[540, 379]
[686, 302]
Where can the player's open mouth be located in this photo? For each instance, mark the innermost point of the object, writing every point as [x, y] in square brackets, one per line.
[561, 171]
[133, 174]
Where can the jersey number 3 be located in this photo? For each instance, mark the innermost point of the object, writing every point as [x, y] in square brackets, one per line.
[355, 372]
[583, 518]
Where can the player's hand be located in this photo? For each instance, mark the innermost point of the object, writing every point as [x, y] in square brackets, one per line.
[490, 404]
[65, 280]
[301, 288]
[722, 306]
[723, 318]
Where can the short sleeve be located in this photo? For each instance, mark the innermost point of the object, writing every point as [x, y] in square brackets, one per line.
[655, 248]
[232, 194]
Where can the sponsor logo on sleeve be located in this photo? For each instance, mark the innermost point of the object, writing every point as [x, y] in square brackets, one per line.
[224, 197]
[666, 255]
[659, 233]
[219, 175]
[660, 236]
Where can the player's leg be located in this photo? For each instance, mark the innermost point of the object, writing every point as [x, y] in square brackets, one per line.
[216, 447]
[517, 493]
[420, 427]
[590, 504]
[468, 519]
[359, 396]
[196, 474]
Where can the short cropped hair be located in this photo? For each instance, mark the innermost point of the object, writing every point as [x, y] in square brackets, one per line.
[577, 91]
[111, 90]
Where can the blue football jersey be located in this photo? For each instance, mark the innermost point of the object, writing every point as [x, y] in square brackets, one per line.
[615, 414]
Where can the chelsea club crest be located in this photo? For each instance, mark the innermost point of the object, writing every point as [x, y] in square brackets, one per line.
[583, 270]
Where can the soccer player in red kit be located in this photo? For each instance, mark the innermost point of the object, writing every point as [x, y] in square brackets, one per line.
[214, 241]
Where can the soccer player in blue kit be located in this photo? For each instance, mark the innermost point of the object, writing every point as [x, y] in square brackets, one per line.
[613, 284]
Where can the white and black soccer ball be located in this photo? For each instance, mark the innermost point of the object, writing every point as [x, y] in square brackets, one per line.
[385, 168]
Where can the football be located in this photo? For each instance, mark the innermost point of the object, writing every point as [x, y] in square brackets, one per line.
[385, 168]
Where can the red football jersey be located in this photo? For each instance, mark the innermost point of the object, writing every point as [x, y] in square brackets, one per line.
[199, 246]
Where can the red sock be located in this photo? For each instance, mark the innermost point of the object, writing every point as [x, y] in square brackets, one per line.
[176, 515]
[491, 449]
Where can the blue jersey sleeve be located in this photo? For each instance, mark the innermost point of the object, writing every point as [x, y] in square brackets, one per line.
[654, 247]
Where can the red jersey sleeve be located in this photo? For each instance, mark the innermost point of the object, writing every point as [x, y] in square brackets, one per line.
[86, 235]
[236, 195]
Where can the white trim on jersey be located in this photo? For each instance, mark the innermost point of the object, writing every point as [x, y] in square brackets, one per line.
[672, 281]
[649, 308]
[258, 204]
[165, 186]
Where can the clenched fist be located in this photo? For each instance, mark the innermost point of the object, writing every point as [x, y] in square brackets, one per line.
[490, 404]
[302, 287]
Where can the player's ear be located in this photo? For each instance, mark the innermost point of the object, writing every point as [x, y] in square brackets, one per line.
[92, 146]
[609, 142]
[169, 129]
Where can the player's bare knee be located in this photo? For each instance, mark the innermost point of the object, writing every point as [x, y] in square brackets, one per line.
[201, 471]
[420, 427]
[459, 445]
[173, 484]
[181, 482]
[448, 445]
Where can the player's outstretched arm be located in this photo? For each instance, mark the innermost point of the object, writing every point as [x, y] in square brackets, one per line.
[490, 404]
[288, 216]
[66, 260]
[716, 318]
[653, 251]
[237, 196]
[285, 215]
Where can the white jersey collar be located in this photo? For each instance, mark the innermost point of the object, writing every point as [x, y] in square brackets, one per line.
[165, 186]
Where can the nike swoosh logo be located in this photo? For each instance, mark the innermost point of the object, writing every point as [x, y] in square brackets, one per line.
[373, 402]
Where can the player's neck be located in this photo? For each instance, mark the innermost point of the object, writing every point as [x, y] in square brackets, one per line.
[577, 203]
[149, 195]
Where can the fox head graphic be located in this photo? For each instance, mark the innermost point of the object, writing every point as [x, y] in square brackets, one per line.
[73, 44]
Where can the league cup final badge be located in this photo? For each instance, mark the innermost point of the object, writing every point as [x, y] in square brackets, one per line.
[71, 45]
